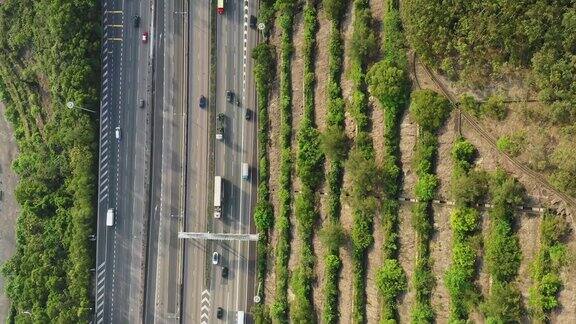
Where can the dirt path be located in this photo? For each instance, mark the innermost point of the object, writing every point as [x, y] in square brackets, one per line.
[8, 206]
[528, 230]
[567, 296]
[440, 252]
[407, 258]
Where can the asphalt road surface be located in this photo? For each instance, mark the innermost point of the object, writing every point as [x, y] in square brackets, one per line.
[167, 187]
[204, 288]
[123, 163]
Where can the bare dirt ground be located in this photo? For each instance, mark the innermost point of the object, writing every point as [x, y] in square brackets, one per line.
[346, 275]
[444, 166]
[567, 296]
[297, 114]
[374, 262]
[321, 70]
[408, 133]
[440, 252]
[407, 258]
[528, 230]
[8, 206]
[274, 156]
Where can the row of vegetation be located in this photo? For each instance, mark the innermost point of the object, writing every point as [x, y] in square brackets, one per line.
[50, 54]
[388, 82]
[547, 265]
[429, 110]
[502, 251]
[285, 22]
[263, 56]
[361, 166]
[309, 169]
[334, 146]
[468, 186]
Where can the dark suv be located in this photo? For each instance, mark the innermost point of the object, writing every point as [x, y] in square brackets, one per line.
[136, 21]
[219, 312]
[224, 272]
[252, 21]
[229, 96]
[248, 114]
[202, 102]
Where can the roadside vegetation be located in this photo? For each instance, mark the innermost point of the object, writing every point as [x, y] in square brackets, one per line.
[285, 22]
[309, 164]
[469, 186]
[263, 55]
[429, 110]
[546, 267]
[388, 82]
[502, 251]
[333, 142]
[50, 54]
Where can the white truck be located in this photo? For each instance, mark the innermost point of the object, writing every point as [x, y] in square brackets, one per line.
[110, 217]
[245, 171]
[220, 7]
[218, 193]
[240, 317]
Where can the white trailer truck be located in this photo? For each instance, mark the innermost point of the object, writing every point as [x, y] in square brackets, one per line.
[218, 193]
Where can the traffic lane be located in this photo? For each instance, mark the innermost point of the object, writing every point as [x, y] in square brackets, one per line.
[195, 254]
[156, 160]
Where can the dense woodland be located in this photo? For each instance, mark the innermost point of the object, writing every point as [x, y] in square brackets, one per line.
[479, 41]
[50, 53]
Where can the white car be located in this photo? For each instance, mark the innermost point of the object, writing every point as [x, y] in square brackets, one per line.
[215, 258]
[118, 135]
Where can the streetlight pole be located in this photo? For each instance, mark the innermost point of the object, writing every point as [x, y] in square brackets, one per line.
[70, 105]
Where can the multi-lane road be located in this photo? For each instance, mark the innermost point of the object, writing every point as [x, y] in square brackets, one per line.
[159, 175]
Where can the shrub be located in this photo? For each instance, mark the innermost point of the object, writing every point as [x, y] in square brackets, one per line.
[429, 109]
[502, 251]
[513, 144]
[334, 9]
[391, 280]
[495, 108]
[463, 153]
[504, 303]
[464, 221]
[470, 105]
[426, 187]
[388, 83]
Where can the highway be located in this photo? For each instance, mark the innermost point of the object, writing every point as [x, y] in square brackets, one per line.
[123, 163]
[204, 288]
[159, 175]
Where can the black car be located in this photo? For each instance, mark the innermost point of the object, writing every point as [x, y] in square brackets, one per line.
[248, 114]
[224, 272]
[219, 312]
[136, 21]
[238, 102]
[202, 102]
[252, 21]
[229, 96]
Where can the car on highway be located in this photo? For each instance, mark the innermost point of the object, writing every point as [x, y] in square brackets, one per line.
[117, 133]
[136, 21]
[238, 102]
[219, 313]
[248, 114]
[145, 37]
[215, 258]
[252, 21]
[224, 272]
[202, 102]
[141, 103]
[229, 96]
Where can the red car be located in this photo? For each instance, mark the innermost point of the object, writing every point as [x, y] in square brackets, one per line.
[145, 37]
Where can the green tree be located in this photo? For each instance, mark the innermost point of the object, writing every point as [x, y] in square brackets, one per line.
[429, 109]
[388, 83]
